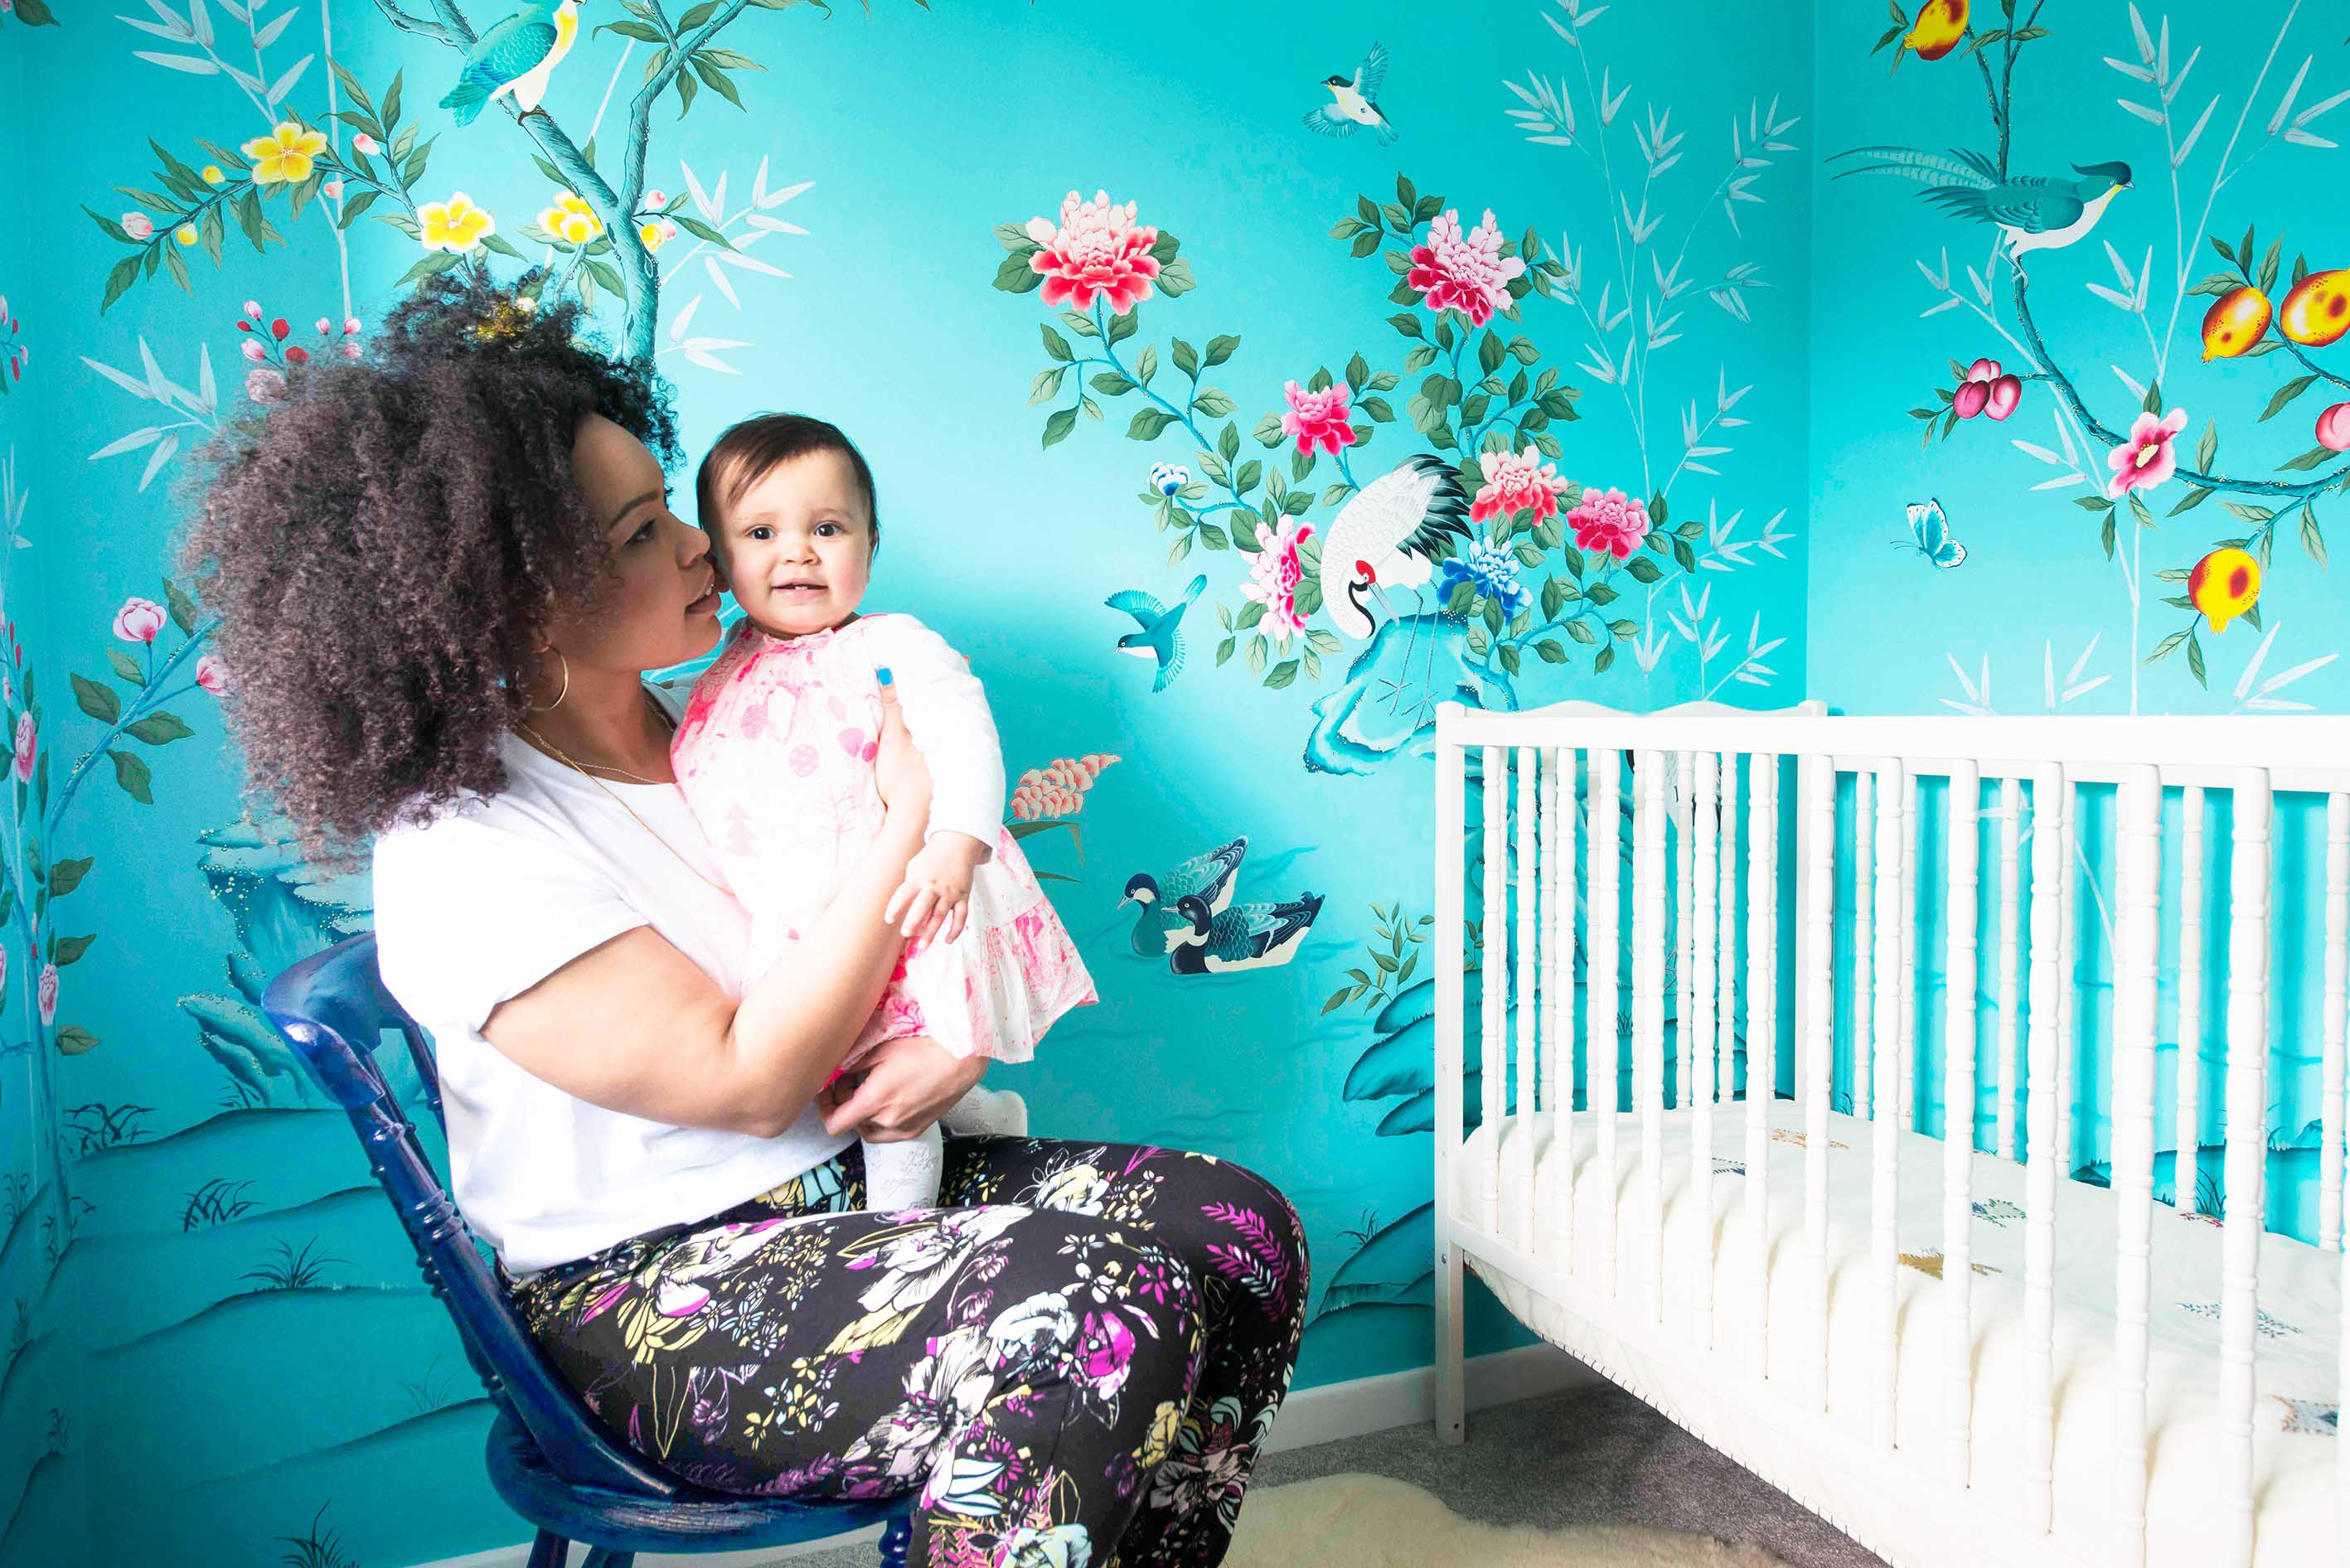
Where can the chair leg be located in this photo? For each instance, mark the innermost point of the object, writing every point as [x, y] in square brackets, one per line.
[896, 1536]
[609, 1557]
[549, 1551]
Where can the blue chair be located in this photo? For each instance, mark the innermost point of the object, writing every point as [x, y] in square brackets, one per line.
[548, 1459]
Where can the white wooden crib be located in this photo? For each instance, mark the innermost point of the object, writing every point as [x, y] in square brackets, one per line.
[1959, 1358]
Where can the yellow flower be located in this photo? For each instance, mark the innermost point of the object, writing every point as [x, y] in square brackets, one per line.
[455, 224]
[570, 220]
[213, 175]
[1160, 1440]
[651, 234]
[284, 156]
[186, 234]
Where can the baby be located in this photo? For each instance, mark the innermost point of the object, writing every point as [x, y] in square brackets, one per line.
[775, 756]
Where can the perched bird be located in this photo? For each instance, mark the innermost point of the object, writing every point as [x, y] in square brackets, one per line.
[514, 56]
[1386, 536]
[2034, 212]
[1207, 877]
[1245, 936]
[1356, 102]
[1161, 636]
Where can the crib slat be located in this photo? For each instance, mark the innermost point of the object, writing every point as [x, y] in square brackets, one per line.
[1958, 922]
[2337, 983]
[2067, 986]
[2138, 867]
[1452, 972]
[1685, 934]
[1864, 943]
[1884, 1194]
[2248, 1072]
[2187, 1164]
[1704, 980]
[2039, 1436]
[1761, 1038]
[1547, 1032]
[1648, 886]
[1907, 1056]
[1493, 1061]
[1725, 1017]
[1563, 1020]
[2011, 816]
[1818, 803]
[1602, 1042]
[1529, 991]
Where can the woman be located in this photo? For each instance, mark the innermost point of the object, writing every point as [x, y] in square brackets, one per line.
[440, 577]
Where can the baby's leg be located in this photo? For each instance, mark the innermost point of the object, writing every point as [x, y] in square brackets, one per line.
[904, 1175]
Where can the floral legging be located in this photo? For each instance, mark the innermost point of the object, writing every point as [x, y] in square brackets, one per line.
[1075, 1365]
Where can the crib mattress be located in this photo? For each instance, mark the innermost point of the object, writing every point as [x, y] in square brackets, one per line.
[1907, 1506]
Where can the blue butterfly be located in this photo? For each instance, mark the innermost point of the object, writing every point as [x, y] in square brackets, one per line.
[1930, 535]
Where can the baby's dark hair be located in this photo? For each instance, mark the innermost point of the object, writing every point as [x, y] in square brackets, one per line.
[755, 448]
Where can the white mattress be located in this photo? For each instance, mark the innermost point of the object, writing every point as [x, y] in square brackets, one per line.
[1906, 1506]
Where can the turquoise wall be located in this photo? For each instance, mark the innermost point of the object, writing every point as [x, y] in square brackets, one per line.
[256, 1352]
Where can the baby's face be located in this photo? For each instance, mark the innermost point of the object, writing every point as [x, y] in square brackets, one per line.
[798, 545]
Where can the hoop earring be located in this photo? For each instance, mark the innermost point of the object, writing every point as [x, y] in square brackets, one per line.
[560, 695]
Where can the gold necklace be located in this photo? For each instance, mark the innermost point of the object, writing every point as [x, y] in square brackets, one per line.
[556, 752]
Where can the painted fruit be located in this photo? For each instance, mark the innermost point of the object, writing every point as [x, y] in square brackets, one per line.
[2317, 310]
[2223, 586]
[2334, 427]
[1940, 25]
[2236, 321]
[2005, 393]
[1969, 399]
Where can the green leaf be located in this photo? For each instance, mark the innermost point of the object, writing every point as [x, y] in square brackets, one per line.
[126, 667]
[1122, 328]
[160, 729]
[1214, 404]
[1047, 384]
[66, 875]
[2196, 497]
[2195, 660]
[1148, 424]
[72, 1039]
[1281, 675]
[1056, 345]
[1108, 383]
[1014, 275]
[2284, 395]
[1059, 425]
[132, 774]
[98, 701]
[1185, 357]
[70, 948]
[2312, 539]
[1220, 349]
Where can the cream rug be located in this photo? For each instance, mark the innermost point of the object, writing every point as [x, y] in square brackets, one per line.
[1371, 1521]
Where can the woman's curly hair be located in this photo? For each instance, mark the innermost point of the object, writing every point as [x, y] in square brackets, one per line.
[384, 548]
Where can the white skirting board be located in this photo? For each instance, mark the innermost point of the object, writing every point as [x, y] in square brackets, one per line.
[1309, 1416]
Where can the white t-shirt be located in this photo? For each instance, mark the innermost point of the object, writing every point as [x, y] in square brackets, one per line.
[491, 896]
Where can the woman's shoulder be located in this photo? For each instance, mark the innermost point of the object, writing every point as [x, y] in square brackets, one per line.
[480, 835]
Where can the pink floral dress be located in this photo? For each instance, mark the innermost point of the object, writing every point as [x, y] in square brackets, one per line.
[775, 756]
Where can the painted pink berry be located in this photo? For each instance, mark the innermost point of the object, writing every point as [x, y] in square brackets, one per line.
[2334, 427]
[1969, 399]
[2005, 393]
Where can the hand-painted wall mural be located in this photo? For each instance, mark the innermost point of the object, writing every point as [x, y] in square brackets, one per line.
[1242, 397]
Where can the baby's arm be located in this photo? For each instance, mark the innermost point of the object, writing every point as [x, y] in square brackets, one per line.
[947, 715]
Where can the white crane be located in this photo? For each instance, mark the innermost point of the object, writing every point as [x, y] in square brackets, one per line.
[1386, 537]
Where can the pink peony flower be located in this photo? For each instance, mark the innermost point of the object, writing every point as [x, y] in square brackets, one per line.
[1275, 572]
[1609, 520]
[1317, 418]
[139, 226]
[2146, 459]
[1097, 251]
[367, 144]
[1467, 273]
[138, 620]
[49, 991]
[1516, 482]
[212, 674]
[265, 385]
[28, 745]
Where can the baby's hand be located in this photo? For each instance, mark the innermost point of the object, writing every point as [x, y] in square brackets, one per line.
[936, 894]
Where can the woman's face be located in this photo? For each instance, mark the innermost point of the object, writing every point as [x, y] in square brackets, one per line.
[659, 606]
[798, 545]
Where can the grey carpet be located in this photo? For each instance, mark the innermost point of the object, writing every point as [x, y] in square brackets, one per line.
[1591, 1457]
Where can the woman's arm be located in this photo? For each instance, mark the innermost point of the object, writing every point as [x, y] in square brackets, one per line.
[635, 1026]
